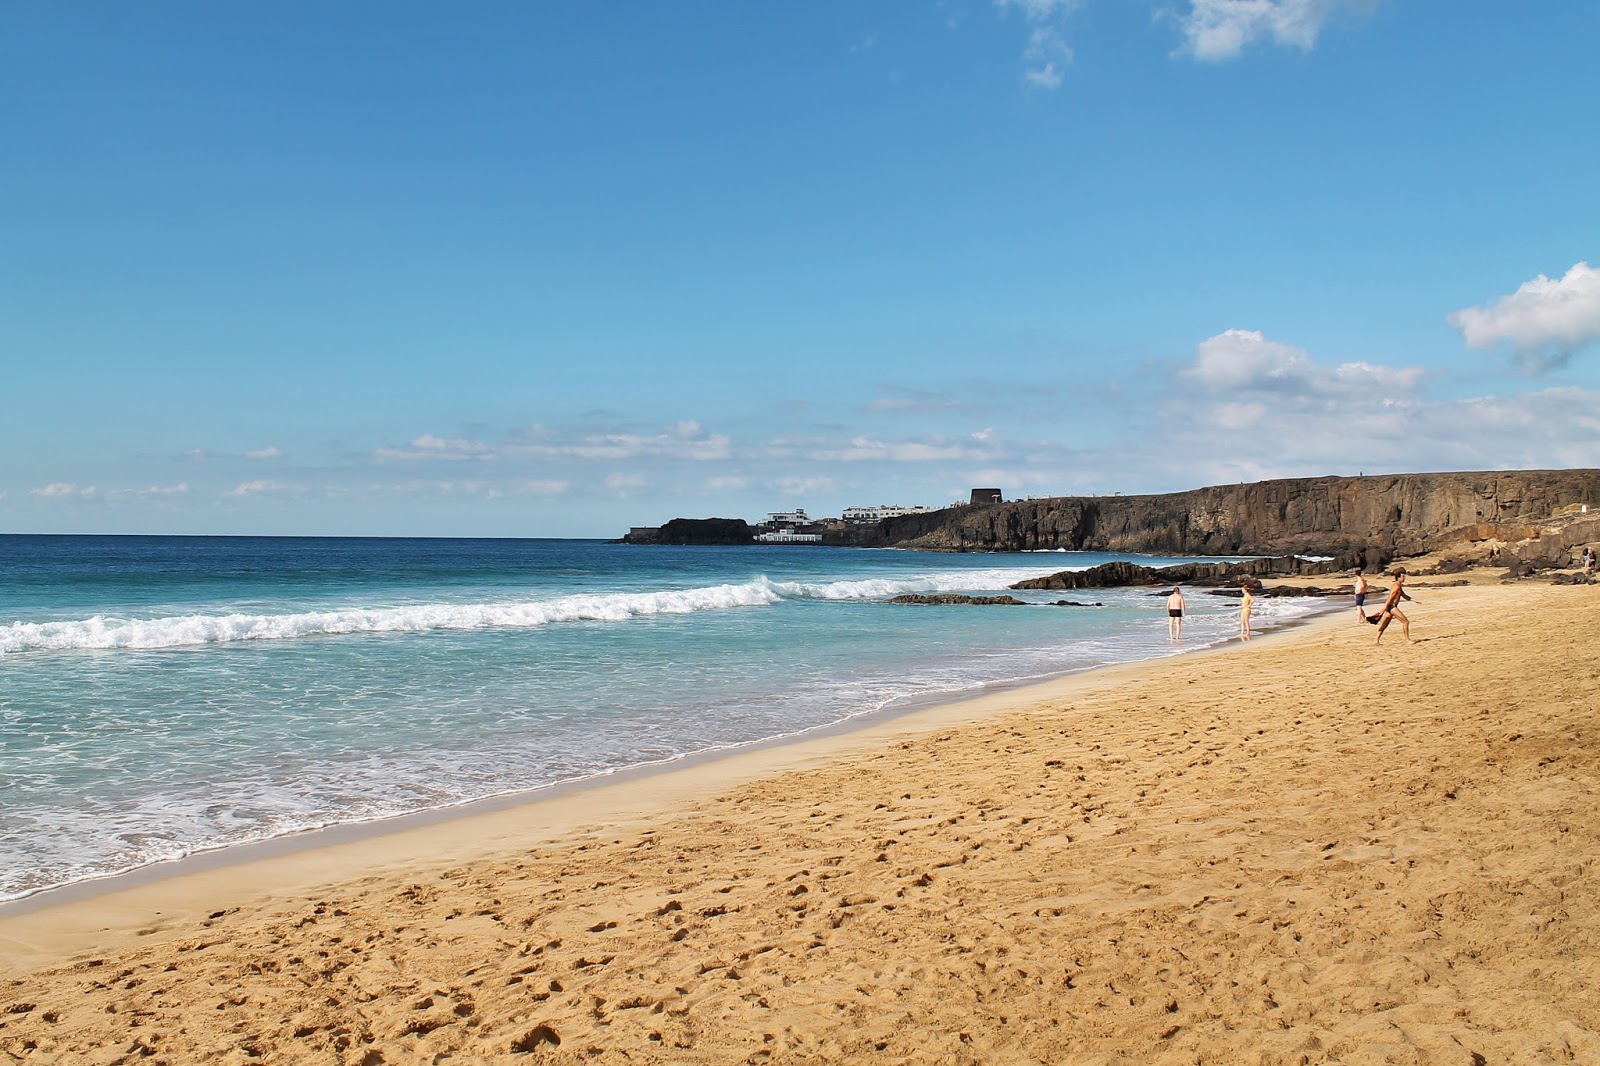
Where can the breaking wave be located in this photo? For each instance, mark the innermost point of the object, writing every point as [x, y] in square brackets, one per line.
[103, 633]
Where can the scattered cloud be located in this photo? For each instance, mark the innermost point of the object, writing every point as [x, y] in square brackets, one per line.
[624, 483]
[1216, 30]
[542, 487]
[1248, 407]
[55, 488]
[682, 440]
[1545, 321]
[428, 446]
[164, 490]
[1047, 50]
[1038, 10]
[800, 487]
[869, 449]
[270, 452]
[256, 488]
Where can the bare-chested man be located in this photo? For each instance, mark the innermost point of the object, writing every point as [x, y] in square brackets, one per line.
[1361, 596]
[1175, 614]
[1391, 606]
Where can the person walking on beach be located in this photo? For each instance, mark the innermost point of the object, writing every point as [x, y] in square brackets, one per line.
[1245, 604]
[1361, 596]
[1391, 607]
[1175, 614]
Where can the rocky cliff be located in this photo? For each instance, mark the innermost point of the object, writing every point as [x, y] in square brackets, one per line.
[1357, 520]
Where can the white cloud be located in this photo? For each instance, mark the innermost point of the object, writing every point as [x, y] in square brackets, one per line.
[269, 452]
[542, 487]
[428, 446]
[1249, 407]
[255, 488]
[55, 488]
[1546, 320]
[728, 484]
[682, 440]
[1047, 49]
[165, 490]
[1243, 360]
[1220, 29]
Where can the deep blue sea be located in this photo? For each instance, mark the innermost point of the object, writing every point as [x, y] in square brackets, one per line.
[165, 695]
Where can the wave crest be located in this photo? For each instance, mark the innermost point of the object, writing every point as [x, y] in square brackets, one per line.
[176, 631]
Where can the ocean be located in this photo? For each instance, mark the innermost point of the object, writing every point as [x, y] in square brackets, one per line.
[161, 696]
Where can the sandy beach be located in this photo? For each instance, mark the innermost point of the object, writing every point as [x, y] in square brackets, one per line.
[1302, 849]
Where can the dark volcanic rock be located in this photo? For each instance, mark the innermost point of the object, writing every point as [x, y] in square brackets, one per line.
[1365, 521]
[706, 531]
[1121, 574]
[943, 598]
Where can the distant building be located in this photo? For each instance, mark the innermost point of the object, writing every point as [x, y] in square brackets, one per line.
[788, 519]
[987, 496]
[788, 536]
[880, 512]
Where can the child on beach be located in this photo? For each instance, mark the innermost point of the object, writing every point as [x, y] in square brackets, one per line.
[1245, 604]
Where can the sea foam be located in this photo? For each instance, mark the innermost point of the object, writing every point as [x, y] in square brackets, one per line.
[176, 631]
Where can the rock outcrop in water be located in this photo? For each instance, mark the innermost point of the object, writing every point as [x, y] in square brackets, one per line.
[1121, 574]
[1355, 520]
[695, 531]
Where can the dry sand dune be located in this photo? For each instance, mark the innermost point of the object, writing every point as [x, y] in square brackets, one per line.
[1304, 849]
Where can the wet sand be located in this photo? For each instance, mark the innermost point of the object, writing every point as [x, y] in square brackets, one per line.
[1300, 849]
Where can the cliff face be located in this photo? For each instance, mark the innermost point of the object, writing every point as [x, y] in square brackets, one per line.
[1366, 520]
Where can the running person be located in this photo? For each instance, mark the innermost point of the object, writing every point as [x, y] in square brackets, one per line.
[1391, 607]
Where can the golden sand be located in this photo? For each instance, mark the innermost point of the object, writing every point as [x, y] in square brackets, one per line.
[1301, 849]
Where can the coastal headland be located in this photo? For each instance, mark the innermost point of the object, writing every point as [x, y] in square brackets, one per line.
[1307, 849]
[1535, 517]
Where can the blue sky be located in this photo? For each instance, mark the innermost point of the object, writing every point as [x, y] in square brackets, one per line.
[557, 269]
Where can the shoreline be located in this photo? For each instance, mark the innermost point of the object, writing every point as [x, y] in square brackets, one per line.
[1305, 849]
[306, 859]
[344, 834]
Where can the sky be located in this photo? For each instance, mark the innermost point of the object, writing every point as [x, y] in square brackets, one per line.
[559, 269]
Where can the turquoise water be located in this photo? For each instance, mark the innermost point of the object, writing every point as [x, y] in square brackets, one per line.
[164, 695]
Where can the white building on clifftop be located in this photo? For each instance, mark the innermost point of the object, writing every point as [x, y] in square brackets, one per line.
[881, 511]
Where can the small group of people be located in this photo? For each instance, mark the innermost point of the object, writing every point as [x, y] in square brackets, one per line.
[1389, 612]
[1175, 609]
[1588, 561]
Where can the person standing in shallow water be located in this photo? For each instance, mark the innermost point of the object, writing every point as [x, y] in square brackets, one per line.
[1245, 604]
[1361, 596]
[1175, 614]
[1391, 607]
